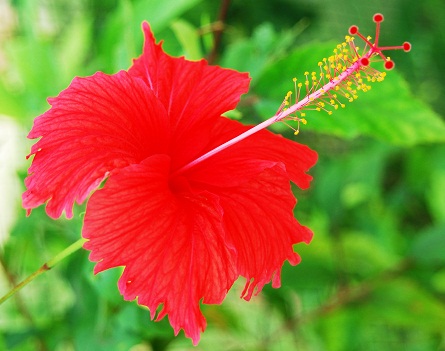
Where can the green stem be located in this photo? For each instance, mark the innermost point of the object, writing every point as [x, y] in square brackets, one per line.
[46, 267]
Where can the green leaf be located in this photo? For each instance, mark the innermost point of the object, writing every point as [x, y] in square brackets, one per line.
[389, 112]
[429, 247]
[251, 54]
[11, 102]
[161, 13]
[74, 48]
[188, 37]
[263, 49]
[105, 284]
[33, 74]
[402, 301]
[364, 256]
[436, 182]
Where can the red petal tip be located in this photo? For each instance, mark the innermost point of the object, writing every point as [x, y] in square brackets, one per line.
[389, 65]
[353, 30]
[364, 61]
[406, 46]
[378, 17]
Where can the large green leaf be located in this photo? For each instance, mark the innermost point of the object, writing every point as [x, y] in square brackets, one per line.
[389, 112]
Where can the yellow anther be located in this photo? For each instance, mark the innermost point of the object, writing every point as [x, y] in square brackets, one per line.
[330, 72]
[296, 132]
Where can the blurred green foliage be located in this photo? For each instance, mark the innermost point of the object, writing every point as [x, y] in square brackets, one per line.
[374, 276]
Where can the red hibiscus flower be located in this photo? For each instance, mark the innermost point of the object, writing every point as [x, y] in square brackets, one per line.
[182, 234]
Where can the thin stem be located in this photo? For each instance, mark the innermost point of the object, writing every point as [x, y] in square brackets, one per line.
[46, 267]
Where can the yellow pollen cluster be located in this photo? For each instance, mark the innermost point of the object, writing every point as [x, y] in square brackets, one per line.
[340, 78]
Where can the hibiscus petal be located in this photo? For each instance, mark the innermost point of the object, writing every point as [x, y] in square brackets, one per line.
[194, 93]
[259, 221]
[200, 89]
[96, 125]
[252, 180]
[172, 246]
